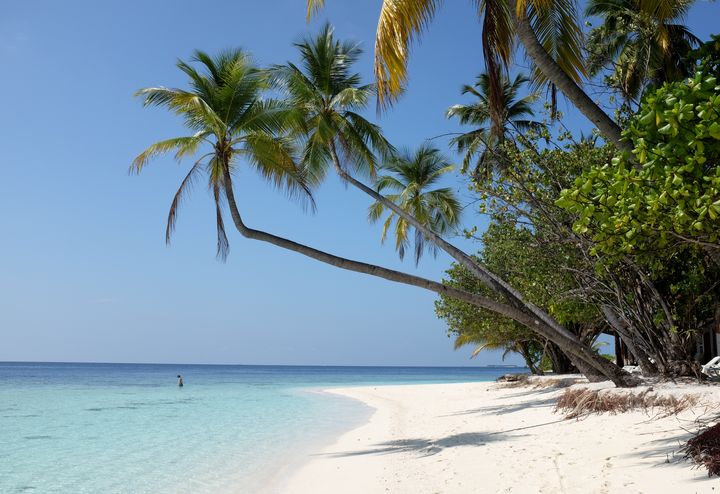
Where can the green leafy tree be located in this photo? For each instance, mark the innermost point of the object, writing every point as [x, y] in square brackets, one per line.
[672, 196]
[537, 268]
[470, 325]
[412, 176]
[529, 349]
[654, 223]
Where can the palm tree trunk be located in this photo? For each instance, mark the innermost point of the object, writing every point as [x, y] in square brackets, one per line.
[490, 279]
[494, 282]
[579, 98]
[570, 345]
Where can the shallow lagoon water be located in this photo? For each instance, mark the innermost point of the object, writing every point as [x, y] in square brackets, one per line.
[128, 428]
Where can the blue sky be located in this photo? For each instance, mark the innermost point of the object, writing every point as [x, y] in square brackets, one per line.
[84, 271]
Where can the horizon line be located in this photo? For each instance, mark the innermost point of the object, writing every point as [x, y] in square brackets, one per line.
[252, 365]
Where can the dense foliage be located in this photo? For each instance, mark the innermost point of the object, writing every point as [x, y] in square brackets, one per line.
[668, 193]
[525, 260]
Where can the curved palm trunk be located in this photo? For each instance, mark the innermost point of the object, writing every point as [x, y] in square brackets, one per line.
[572, 346]
[596, 365]
[607, 126]
[490, 279]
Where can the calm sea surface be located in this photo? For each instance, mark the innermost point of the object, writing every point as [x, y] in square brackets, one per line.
[128, 428]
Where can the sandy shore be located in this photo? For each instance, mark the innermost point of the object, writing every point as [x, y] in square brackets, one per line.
[480, 437]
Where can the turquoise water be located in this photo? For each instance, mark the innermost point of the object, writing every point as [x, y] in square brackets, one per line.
[128, 428]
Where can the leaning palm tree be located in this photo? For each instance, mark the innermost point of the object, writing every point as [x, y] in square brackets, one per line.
[483, 144]
[412, 174]
[230, 122]
[232, 125]
[328, 96]
[641, 42]
[549, 31]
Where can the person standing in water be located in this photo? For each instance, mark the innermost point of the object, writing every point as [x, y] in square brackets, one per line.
[180, 381]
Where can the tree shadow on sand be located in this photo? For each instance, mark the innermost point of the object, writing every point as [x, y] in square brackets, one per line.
[505, 409]
[666, 451]
[427, 447]
[533, 392]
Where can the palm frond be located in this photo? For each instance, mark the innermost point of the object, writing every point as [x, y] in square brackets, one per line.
[313, 6]
[273, 158]
[400, 22]
[410, 175]
[182, 146]
[375, 211]
[182, 191]
[351, 98]
[315, 159]
[558, 30]
[386, 227]
[640, 43]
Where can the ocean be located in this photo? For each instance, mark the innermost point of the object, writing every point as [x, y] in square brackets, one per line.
[128, 428]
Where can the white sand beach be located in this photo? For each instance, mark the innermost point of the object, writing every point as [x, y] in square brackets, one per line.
[484, 438]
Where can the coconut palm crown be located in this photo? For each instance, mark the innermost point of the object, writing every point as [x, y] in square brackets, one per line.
[412, 174]
[329, 96]
[231, 122]
[485, 140]
[641, 41]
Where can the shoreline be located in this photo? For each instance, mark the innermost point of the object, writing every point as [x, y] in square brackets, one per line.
[274, 479]
[484, 437]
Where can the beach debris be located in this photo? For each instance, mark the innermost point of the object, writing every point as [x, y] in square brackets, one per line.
[513, 378]
[537, 382]
[704, 449]
[580, 402]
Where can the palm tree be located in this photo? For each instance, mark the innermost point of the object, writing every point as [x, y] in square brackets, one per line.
[548, 30]
[229, 121]
[641, 41]
[412, 175]
[328, 96]
[485, 141]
